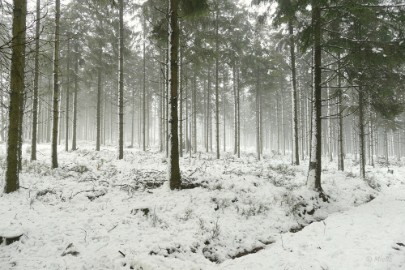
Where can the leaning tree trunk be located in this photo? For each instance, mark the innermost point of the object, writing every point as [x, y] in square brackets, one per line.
[16, 94]
[174, 167]
[55, 107]
[36, 76]
[121, 82]
[314, 171]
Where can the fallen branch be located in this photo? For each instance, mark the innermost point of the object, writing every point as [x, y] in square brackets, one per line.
[123, 255]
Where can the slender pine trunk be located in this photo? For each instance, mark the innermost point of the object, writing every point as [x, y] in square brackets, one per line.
[56, 88]
[121, 82]
[362, 147]
[296, 156]
[76, 89]
[67, 98]
[34, 138]
[98, 113]
[144, 97]
[217, 79]
[341, 154]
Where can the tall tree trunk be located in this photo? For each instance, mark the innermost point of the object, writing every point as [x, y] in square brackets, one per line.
[181, 104]
[194, 112]
[75, 108]
[235, 111]
[329, 125]
[224, 107]
[162, 112]
[2, 118]
[296, 156]
[121, 82]
[341, 155]
[167, 93]
[257, 113]
[238, 109]
[67, 99]
[144, 96]
[217, 78]
[362, 144]
[315, 165]
[174, 167]
[187, 141]
[208, 120]
[386, 155]
[98, 113]
[34, 138]
[16, 94]
[133, 115]
[55, 107]
[278, 121]
[371, 133]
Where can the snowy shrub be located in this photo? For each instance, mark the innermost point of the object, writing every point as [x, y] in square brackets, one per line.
[298, 207]
[283, 169]
[78, 168]
[372, 182]
[187, 214]
[210, 232]
[38, 168]
[253, 209]
[351, 175]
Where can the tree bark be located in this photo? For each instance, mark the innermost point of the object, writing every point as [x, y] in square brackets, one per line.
[371, 133]
[362, 146]
[121, 82]
[257, 113]
[208, 121]
[238, 109]
[75, 107]
[16, 94]
[181, 103]
[56, 90]
[341, 156]
[296, 156]
[144, 95]
[34, 138]
[98, 113]
[217, 78]
[194, 112]
[67, 99]
[315, 165]
[174, 167]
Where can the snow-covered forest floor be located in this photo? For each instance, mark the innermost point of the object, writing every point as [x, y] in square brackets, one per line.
[96, 212]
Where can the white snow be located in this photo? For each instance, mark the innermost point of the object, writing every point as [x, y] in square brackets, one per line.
[371, 236]
[96, 212]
